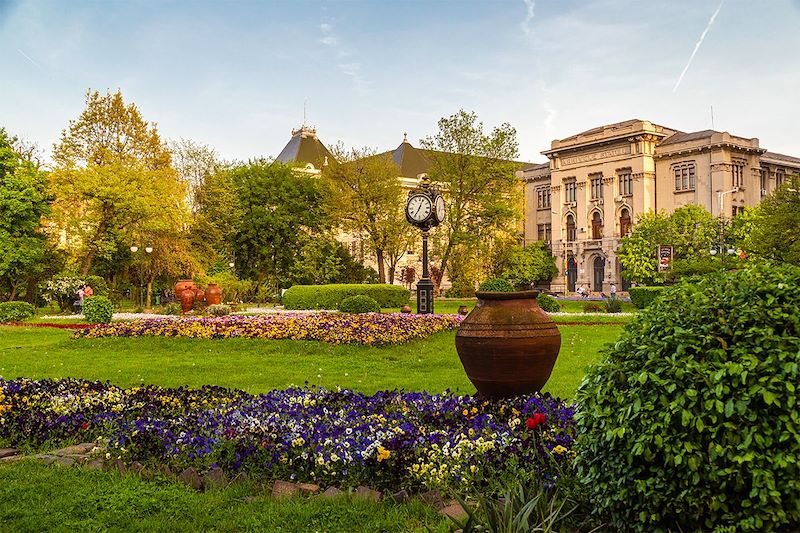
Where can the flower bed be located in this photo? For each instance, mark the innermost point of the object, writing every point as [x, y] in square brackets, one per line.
[389, 440]
[371, 329]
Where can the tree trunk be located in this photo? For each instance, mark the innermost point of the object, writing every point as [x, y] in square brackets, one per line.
[13, 292]
[149, 295]
[392, 268]
[381, 266]
[445, 258]
[87, 262]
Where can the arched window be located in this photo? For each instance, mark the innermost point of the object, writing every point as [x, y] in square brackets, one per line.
[624, 222]
[570, 228]
[597, 226]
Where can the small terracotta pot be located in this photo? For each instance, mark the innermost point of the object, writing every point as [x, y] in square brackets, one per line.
[507, 344]
[462, 310]
[213, 294]
[405, 309]
[199, 295]
[187, 300]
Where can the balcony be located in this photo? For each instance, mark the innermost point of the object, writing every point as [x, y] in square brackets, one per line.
[593, 244]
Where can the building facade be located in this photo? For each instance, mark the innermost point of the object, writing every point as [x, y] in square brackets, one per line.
[587, 197]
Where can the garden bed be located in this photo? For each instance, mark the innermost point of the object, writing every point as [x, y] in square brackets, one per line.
[390, 440]
[370, 329]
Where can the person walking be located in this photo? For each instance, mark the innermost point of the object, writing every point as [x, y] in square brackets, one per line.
[613, 291]
[79, 302]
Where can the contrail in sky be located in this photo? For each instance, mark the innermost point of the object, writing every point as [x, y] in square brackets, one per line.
[697, 46]
[34, 63]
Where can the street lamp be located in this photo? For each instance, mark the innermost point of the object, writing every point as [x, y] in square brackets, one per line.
[148, 250]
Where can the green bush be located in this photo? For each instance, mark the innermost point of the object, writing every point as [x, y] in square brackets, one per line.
[548, 303]
[219, 310]
[612, 304]
[98, 285]
[359, 304]
[16, 311]
[172, 309]
[641, 297]
[98, 310]
[691, 422]
[496, 285]
[331, 296]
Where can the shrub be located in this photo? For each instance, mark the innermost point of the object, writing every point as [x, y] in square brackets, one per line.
[496, 285]
[62, 289]
[359, 304]
[592, 308]
[219, 310]
[172, 309]
[691, 421]
[612, 304]
[641, 297]
[16, 311]
[98, 310]
[98, 285]
[548, 303]
[331, 296]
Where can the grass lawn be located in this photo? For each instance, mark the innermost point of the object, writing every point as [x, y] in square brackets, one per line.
[258, 365]
[450, 306]
[35, 497]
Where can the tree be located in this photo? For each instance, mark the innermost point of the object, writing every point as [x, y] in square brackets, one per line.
[281, 210]
[367, 199]
[775, 224]
[478, 176]
[529, 264]
[113, 179]
[23, 202]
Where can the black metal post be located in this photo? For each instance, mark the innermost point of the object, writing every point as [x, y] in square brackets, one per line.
[424, 285]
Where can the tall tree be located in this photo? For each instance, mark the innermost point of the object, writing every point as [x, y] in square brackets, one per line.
[280, 211]
[23, 202]
[477, 173]
[775, 225]
[367, 199]
[113, 178]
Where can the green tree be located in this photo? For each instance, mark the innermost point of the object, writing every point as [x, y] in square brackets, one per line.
[23, 202]
[281, 210]
[529, 264]
[775, 225]
[367, 199]
[113, 179]
[477, 174]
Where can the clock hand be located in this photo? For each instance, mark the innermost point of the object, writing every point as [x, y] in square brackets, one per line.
[417, 211]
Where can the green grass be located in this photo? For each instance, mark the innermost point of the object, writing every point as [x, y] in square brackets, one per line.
[257, 365]
[35, 497]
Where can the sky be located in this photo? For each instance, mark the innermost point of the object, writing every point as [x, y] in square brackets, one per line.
[238, 75]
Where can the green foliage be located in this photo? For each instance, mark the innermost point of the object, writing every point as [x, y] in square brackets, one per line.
[612, 304]
[691, 421]
[331, 296]
[16, 311]
[98, 310]
[324, 260]
[98, 285]
[593, 308]
[548, 303]
[641, 297]
[529, 264]
[219, 310]
[233, 289]
[172, 309]
[359, 304]
[496, 285]
[62, 289]
[774, 224]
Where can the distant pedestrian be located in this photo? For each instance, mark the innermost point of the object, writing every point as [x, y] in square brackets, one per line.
[79, 302]
[88, 291]
[613, 291]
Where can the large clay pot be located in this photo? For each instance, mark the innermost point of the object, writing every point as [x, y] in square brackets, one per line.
[187, 300]
[507, 344]
[182, 285]
[199, 295]
[213, 294]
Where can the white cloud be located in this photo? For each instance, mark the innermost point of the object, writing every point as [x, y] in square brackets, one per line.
[527, 24]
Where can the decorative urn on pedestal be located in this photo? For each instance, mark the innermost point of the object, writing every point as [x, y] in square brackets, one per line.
[508, 344]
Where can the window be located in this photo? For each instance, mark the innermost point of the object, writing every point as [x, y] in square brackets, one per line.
[764, 182]
[626, 184]
[544, 232]
[684, 177]
[737, 175]
[737, 210]
[597, 186]
[624, 222]
[779, 177]
[597, 226]
[570, 191]
[543, 198]
[570, 228]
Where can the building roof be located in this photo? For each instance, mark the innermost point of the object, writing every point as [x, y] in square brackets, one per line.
[788, 159]
[607, 127]
[305, 147]
[680, 136]
[409, 160]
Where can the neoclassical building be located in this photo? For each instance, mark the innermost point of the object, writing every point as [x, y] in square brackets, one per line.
[587, 197]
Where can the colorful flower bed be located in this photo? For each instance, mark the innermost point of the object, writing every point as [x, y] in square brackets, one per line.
[389, 440]
[371, 329]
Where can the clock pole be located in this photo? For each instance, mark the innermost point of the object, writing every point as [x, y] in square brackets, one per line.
[425, 285]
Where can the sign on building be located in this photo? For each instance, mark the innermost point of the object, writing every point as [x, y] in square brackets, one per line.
[664, 257]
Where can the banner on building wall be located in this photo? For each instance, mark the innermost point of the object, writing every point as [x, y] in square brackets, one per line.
[664, 257]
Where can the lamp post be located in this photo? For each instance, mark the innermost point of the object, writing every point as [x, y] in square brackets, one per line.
[147, 309]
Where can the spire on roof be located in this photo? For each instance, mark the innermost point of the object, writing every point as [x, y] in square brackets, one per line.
[405, 137]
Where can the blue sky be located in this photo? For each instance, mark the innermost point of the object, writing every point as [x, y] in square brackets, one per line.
[235, 75]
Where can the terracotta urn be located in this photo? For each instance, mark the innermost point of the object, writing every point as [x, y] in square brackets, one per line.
[182, 285]
[405, 309]
[199, 295]
[187, 300]
[213, 294]
[507, 344]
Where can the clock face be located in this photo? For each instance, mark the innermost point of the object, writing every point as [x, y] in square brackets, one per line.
[440, 209]
[418, 208]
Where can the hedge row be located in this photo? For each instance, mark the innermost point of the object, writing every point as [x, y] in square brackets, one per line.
[16, 311]
[641, 297]
[331, 296]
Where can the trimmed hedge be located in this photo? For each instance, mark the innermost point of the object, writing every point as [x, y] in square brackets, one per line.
[691, 421]
[496, 285]
[641, 297]
[16, 311]
[548, 303]
[359, 304]
[331, 296]
[98, 310]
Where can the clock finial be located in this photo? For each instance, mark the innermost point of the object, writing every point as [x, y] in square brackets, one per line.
[405, 137]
